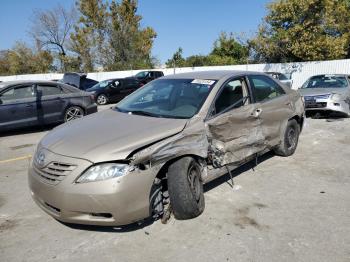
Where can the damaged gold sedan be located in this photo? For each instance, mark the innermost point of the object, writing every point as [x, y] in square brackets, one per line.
[152, 153]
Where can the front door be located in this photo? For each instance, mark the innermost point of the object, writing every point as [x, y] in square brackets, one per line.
[234, 130]
[18, 107]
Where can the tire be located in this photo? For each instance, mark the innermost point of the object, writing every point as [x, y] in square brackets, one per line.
[72, 113]
[290, 139]
[101, 99]
[185, 188]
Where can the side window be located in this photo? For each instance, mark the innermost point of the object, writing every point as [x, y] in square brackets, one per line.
[116, 84]
[265, 88]
[18, 92]
[233, 95]
[49, 90]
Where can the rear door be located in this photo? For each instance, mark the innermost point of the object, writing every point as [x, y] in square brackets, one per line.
[51, 103]
[274, 105]
[128, 86]
[233, 126]
[18, 107]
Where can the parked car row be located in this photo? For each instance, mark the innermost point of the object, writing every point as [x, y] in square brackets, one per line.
[323, 94]
[32, 103]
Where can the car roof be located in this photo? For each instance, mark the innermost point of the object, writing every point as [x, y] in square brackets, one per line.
[345, 75]
[20, 82]
[214, 74]
[270, 73]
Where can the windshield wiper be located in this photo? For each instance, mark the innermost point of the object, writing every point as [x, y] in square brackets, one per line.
[143, 113]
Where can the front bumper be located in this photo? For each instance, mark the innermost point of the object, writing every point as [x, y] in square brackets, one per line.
[328, 105]
[116, 202]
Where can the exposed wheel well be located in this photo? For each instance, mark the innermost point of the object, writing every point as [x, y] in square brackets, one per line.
[162, 173]
[299, 119]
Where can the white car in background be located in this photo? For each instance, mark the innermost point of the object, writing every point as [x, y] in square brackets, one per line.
[284, 79]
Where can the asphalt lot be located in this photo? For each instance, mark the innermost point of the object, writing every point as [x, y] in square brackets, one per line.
[285, 209]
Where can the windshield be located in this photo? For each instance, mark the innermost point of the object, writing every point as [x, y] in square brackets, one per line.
[100, 85]
[326, 81]
[141, 74]
[170, 98]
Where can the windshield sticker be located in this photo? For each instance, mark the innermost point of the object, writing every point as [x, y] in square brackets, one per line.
[203, 82]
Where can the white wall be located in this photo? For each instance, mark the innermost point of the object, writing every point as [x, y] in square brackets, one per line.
[300, 71]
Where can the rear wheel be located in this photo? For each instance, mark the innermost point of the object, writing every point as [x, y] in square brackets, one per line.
[290, 139]
[185, 188]
[102, 99]
[73, 112]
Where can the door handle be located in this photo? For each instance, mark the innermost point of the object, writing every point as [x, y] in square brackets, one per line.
[257, 112]
[29, 105]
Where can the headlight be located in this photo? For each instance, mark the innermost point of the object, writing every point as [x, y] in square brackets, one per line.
[336, 97]
[103, 172]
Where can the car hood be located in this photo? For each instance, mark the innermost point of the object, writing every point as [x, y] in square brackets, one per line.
[321, 91]
[109, 135]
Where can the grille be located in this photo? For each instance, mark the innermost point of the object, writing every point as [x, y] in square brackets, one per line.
[54, 172]
[325, 96]
[315, 104]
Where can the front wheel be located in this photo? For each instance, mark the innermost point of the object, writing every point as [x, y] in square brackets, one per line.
[290, 139]
[185, 188]
[73, 112]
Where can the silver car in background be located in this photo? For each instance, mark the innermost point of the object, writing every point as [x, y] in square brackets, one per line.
[284, 79]
[327, 94]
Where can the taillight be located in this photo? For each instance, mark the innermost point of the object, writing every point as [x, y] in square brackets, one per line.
[92, 97]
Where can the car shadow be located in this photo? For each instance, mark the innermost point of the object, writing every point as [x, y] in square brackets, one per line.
[112, 229]
[149, 221]
[328, 116]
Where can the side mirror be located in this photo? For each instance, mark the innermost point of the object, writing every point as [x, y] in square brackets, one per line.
[1, 102]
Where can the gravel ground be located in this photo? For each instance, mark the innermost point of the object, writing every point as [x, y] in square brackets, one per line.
[284, 209]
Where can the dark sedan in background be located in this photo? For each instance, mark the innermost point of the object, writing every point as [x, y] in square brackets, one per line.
[147, 76]
[113, 90]
[30, 103]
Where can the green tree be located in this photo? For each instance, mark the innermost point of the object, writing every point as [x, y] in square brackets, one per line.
[177, 59]
[4, 62]
[88, 36]
[303, 30]
[21, 59]
[197, 60]
[227, 50]
[109, 34]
